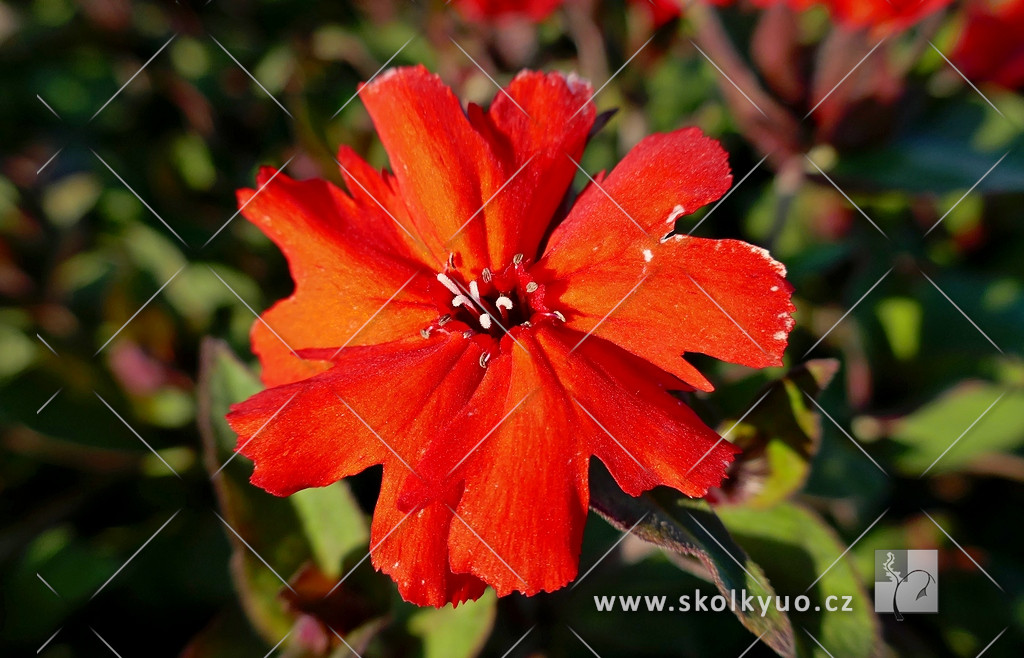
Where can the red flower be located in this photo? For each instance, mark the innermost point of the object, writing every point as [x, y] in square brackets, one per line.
[884, 15]
[516, 347]
[991, 46]
[536, 10]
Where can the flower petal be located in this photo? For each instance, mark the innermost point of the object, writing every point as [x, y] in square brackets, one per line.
[519, 523]
[485, 185]
[412, 547]
[314, 432]
[348, 258]
[532, 126]
[660, 298]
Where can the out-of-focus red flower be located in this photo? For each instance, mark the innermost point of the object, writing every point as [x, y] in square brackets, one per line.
[879, 15]
[991, 46]
[449, 324]
[536, 10]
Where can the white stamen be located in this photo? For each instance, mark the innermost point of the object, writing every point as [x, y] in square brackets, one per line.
[648, 256]
[448, 283]
[504, 302]
[485, 321]
[474, 290]
[461, 300]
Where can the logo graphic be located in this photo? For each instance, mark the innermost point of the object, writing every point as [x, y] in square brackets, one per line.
[906, 582]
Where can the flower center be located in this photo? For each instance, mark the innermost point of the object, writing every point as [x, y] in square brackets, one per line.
[492, 304]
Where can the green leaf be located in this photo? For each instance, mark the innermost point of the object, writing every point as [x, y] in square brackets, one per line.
[322, 525]
[689, 527]
[454, 632]
[795, 547]
[923, 436]
[779, 437]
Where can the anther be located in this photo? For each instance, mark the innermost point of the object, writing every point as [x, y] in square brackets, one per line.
[486, 275]
[425, 333]
[532, 286]
[517, 259]
[443, 320]
[558, 314]
[504, 302]
[468, 333]
[451, 260]
[484, 358]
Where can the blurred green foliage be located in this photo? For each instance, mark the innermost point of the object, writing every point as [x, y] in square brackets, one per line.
[110, 282]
